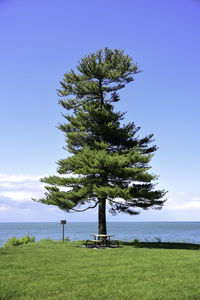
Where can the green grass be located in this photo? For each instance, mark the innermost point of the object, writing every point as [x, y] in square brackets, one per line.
[57, 270]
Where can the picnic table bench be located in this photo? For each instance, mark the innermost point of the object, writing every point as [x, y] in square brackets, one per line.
[102, 239]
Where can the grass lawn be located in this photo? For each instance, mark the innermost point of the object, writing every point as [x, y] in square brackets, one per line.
[57, 270]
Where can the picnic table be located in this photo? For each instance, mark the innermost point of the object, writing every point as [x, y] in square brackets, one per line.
[102, 239]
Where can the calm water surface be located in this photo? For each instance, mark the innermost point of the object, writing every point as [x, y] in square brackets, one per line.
[126, 231]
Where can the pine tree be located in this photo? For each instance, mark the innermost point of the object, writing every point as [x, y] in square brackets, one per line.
[109, 163]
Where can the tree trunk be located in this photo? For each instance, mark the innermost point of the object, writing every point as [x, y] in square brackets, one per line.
[102, 217]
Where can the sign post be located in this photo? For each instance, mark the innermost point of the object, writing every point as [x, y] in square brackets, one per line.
[63, 222]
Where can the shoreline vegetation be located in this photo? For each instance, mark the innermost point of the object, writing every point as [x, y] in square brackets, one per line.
[66, 270]
[13, 242]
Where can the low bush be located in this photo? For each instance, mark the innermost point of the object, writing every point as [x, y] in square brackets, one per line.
[13, 241]
[134, 241]
[158, 240]
[16, 242]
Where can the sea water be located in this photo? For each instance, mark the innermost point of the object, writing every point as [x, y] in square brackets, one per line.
[143, 231]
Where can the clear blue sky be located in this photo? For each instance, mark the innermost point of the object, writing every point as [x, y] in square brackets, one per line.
[41, 40]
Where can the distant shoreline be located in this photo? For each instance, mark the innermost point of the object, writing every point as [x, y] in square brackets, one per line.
[94, 222]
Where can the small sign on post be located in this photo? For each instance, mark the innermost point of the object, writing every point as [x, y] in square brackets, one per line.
[63, 222]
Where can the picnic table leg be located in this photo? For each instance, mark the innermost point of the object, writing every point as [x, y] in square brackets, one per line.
[108, 242]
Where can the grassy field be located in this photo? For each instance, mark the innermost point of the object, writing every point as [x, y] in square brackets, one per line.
[57, 270]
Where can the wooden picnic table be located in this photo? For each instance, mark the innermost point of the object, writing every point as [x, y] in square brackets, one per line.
[105, 237]
[102, 236]
[102, 239]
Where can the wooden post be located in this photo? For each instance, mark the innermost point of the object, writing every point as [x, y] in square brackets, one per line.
[63, 222]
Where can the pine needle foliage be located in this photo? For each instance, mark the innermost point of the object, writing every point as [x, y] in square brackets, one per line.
[109, 163]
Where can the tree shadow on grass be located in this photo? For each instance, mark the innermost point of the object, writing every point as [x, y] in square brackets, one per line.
[162, 245]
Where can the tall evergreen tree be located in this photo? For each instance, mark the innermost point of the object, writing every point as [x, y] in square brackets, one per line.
[109, 163]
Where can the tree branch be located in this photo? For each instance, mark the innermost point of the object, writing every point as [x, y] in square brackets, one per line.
[81, 210]
[101, 93]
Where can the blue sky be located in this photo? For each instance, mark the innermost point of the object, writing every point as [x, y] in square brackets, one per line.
[41, 40]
